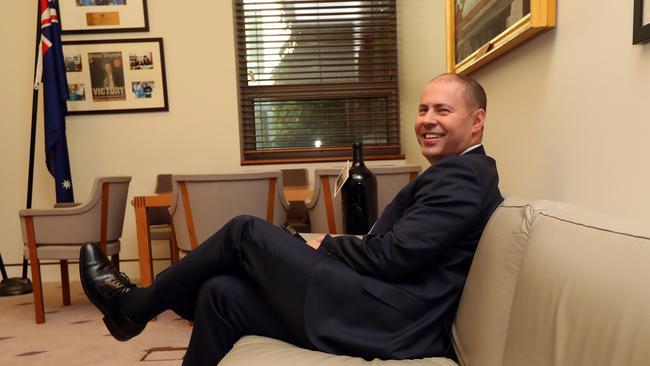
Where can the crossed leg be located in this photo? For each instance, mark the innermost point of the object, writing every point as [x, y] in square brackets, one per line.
[250, 277]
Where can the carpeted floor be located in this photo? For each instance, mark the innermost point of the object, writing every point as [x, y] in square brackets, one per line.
[76, 335]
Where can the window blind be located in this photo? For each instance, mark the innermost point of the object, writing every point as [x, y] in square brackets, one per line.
[315, 76]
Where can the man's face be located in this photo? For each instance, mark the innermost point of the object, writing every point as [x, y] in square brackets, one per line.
[446, 125]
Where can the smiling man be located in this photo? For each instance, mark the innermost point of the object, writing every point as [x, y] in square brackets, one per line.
[450, 116]
[392, 294]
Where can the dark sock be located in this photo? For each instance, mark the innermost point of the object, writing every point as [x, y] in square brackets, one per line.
[141, 305]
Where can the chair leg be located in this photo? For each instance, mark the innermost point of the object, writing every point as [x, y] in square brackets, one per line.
[65, 282]
[35, 265]
[37, 287]
[173, 246]
[115, 260]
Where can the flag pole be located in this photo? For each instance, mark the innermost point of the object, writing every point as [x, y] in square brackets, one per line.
[32, 139]
[22, 285]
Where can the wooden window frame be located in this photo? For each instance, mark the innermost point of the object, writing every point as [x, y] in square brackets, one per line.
[336, 78]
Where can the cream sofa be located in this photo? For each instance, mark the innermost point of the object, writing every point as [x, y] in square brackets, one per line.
[551, 284]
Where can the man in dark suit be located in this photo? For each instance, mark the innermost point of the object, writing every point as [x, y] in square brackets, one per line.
[391, 295]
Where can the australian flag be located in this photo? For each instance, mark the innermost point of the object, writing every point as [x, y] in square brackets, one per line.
[51, 71]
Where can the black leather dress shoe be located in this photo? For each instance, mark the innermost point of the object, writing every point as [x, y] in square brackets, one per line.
[104, 286]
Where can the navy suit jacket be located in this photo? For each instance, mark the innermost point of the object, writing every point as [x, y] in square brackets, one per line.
[394, 293]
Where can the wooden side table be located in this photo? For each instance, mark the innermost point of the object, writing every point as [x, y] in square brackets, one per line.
[140, 205]
[298, 193]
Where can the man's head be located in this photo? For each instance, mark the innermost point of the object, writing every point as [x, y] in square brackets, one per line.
[450, 117]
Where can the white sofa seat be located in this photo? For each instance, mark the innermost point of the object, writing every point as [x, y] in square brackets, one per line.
[255, 350]
[551, 285]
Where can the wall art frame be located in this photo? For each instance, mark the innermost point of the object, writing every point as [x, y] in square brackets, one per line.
[641, 31]
[115, 76]
[479, 31]
[103, 16]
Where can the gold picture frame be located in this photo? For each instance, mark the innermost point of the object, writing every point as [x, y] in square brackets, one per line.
[490, 28]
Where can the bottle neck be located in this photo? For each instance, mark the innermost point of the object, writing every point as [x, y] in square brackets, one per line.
[357, 154]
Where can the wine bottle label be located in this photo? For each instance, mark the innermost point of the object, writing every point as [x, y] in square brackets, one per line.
[343, 176]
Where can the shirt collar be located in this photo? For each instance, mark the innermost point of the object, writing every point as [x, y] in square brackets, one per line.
[470, 149]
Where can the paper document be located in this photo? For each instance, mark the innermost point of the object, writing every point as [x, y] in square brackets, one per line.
[343, 176]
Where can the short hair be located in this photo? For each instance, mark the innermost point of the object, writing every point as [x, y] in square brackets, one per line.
[472, 90]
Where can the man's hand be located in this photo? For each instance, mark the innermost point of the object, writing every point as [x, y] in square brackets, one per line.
[315, 243]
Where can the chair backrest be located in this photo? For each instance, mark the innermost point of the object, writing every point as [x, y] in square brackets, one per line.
[163, 183]
[201, 204]
[99, 219]
[160, 215]
[326, 211]
[117, 190]
[294, 177]
[390, 180]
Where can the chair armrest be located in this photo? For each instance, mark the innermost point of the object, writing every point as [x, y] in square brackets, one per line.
[76, 210]
[66, 204]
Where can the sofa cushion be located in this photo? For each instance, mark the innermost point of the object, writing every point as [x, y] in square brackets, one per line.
[255, 350]
[481, 324]
[581, 297]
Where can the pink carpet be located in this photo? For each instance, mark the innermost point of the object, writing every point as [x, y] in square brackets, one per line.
[76, 335]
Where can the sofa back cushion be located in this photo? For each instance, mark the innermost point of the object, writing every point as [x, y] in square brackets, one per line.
[481, 324]
[582, 295]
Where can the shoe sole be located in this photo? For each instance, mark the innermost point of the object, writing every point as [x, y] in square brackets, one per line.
[113, 330]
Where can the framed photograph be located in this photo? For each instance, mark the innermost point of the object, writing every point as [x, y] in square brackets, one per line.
[102, 16]
[641, 33]
[115, 76]
[478, 31]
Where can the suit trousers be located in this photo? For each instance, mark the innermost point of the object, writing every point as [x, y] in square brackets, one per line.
[250, 277]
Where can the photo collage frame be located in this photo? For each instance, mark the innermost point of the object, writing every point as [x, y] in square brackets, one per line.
[112, 75]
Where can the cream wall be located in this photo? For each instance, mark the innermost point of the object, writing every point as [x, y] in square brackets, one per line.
[199, 134]
[421, 37]
[567, 114]
[567, 111]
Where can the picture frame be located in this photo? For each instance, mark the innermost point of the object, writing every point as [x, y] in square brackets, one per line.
[115, 76]
[641, 31]
[479, 31]
[103, 16]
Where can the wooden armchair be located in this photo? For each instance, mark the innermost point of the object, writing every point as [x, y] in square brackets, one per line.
[58, 233]
[201, 204]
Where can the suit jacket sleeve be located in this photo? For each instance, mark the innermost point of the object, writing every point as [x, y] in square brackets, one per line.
[447, 199]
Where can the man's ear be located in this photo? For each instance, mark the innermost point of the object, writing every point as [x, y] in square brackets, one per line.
[478, 120]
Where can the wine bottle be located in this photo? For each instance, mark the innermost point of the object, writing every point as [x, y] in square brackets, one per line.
[359, 195]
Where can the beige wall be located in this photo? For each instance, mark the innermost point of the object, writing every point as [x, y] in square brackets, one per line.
[568, 113]
[421, 33]
[566, 118]
[199, 134]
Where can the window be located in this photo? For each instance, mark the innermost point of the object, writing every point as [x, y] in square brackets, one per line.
[315, 76]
